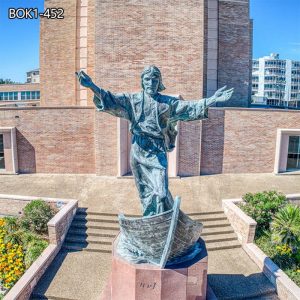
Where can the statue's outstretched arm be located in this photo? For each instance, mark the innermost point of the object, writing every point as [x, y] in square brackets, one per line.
[197, 109]
[114, 104]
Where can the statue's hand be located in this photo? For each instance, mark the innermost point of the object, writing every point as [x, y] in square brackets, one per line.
[221, 95]
[84, 79]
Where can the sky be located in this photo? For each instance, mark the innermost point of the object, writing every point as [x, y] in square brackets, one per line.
[276, 29]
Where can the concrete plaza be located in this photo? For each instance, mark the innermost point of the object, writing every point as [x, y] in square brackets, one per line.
[82, 275]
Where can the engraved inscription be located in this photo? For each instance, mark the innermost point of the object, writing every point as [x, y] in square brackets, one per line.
[150, 286]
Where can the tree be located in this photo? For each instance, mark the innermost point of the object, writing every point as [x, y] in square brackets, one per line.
[6, 81]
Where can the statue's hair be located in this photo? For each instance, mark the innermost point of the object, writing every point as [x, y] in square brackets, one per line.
[153, 70]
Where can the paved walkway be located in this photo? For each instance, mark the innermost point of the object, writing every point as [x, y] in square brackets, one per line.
[81, 275]
[108, 194]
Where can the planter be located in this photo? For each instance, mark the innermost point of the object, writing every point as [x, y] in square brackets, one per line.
[58, 227]
[244, 227]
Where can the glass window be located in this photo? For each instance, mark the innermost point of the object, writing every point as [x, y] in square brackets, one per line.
[28, 96]
[1, 95]
[10, 96]
[38, 95]
[15, 95]
[2, 163]
[33, 95]
[23, 96]
[5, 96]
[293, 160]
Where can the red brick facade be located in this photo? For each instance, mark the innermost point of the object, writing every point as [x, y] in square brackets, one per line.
[199, 45]
[53, 140]
[81, 140]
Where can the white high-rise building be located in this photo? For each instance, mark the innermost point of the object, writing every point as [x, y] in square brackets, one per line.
[33, 76]
[276, 81]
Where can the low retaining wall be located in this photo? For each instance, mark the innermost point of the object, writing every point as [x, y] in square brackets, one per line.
[58, 227]
[244, 227]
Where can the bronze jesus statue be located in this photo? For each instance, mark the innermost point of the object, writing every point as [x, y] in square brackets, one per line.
[153, 118]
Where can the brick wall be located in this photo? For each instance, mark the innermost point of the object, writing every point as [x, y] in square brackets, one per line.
[91, 46]
[243, 140]
[250, 138]
[19, 87]
[189, 148]
[212, 143]
[132, 34]
[59, 140]
[235, 49]
[58, 56]
[81, 140]
[106, 135]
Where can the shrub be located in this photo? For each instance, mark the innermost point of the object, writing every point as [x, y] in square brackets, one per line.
[34, 250]
[285, 227]
[37, 214]
[13, 233]
[262, 207]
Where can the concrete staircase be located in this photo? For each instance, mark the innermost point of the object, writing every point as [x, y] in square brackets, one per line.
[95, 232]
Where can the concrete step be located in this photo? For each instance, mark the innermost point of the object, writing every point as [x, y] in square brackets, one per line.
[115, 227]
[82, 211]
[215, 223]
[217, 230]
[223, 245]
[92, 232]
[105, 248]
[220, 237]
[35, 296]
[95, 225]
[86, 218]
[89, 239]
[103, 214]
[210, 218]
[207, 213]
[88, 247]
[114, 220]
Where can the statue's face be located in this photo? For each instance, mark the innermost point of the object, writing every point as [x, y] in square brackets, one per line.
[151, 83]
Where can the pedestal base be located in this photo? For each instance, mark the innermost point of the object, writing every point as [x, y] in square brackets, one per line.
[147, 282]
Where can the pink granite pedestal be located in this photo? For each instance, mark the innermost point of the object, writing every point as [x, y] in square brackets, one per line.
[147, 282]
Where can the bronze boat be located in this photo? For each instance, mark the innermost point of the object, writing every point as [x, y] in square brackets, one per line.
[160, 239]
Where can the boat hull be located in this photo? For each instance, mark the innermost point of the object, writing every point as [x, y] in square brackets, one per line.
[158, 239]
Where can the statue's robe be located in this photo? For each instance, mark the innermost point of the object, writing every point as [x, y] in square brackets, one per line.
[152, 123]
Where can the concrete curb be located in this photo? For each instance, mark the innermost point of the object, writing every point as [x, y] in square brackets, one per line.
[285, 287]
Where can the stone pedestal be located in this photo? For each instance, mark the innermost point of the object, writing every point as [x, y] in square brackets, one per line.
[147, 282]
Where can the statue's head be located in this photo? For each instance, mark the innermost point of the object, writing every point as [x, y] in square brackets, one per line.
[151, 80]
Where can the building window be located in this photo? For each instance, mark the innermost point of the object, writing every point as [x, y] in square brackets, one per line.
[293, 160]
[2, 163]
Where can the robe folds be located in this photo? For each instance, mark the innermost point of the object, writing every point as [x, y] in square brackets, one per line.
[153, 126]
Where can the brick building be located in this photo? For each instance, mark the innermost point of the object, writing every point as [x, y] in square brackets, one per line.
[196, 45]
[19, 94]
